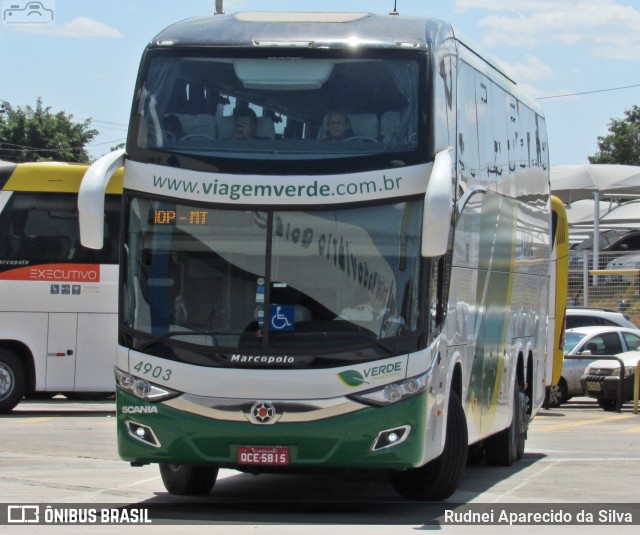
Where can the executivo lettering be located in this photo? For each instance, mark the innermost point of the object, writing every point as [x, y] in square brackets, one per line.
[74, 275]
[54, 273]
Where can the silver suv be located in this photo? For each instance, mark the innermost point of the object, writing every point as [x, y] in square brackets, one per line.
[584, 316]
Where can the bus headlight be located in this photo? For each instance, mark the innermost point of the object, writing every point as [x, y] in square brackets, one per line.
[143, 389]
[394, 392]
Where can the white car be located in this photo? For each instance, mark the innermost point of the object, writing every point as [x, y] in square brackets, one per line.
[584, 342]
[626, 262]
[602, 377]
[584, 316]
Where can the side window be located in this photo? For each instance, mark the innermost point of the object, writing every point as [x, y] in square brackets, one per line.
[582, 321]
[633, 341]
[42, 228]
[468, 162]
[444, 91]
[501, 115]
[632, 243]
[611, 344]
[39, 228]
[437, 293]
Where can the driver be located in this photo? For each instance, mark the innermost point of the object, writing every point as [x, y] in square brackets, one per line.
[339, 126]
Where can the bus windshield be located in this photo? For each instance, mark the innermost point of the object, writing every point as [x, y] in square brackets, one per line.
[271, 112]
[294, 280]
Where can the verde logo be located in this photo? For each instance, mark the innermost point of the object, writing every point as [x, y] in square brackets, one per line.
[354, 378]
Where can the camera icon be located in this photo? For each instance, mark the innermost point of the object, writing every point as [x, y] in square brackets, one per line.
[27, 13]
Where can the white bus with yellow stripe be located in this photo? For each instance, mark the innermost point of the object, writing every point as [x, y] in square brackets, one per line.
[58, 327]
[361, 281]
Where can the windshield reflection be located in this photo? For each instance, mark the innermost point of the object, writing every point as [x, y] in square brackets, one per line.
[298, 280]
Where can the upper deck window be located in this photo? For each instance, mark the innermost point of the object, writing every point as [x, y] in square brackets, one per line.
[244, 111]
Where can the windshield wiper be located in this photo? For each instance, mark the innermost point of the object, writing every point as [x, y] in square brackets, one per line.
[337, 336]
[159, 338]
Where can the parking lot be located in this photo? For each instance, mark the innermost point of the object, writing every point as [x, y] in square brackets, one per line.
[64, 452]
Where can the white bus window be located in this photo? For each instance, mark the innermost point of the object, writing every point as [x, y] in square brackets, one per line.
[43, 228]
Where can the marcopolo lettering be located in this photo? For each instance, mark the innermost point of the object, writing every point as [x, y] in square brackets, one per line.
[262, 359]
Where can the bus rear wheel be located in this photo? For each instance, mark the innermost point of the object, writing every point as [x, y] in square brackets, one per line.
[188, 480]
[12, 380]
[438, 479]
[507, 446]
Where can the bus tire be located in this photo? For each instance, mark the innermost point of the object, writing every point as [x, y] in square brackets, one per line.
[507, 446]
[188, 480]
[556, 395]
[439, 478]
[13, 383]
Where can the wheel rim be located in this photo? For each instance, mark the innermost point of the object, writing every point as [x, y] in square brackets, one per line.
[7, 381]
[174, 467]
[555, 395]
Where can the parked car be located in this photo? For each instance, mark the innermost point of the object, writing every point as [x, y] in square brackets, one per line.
[583, 342]
[620, 240]
[602, 377]
[629, 261]
[583, 316]
[613, 240]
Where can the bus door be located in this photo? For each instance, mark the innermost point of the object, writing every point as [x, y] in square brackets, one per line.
[61, 351]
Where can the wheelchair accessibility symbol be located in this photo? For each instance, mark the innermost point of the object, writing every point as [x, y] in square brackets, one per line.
[281, 318]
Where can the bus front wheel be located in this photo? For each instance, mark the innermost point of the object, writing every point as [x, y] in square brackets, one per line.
[438, 479]
[12, 380]
[187, 480]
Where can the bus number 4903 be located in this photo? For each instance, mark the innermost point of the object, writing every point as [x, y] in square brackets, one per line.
[157, 372]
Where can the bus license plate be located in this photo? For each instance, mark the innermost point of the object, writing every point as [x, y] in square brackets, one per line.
[594, 387]
[263, 455]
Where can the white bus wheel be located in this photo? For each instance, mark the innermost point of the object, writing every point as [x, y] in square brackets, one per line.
[12, 380]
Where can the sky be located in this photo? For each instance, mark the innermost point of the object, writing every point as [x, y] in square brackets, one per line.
[580, 58]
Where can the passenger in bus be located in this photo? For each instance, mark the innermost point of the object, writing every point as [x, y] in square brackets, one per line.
[172, 129]
[246, 122]
[338, 126]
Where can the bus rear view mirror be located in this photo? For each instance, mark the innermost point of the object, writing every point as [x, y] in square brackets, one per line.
[438, 207]
[91, 198]
[283, 74]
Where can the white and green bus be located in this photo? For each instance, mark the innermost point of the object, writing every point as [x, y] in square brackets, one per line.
[291, 299]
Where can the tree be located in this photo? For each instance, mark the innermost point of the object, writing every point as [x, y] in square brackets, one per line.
[34, 135]
[622, 146]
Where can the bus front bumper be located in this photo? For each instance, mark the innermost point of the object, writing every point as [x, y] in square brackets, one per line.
[393, 436]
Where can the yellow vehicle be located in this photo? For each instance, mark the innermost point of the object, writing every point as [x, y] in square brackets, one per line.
[58, 324]
[557, 295]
